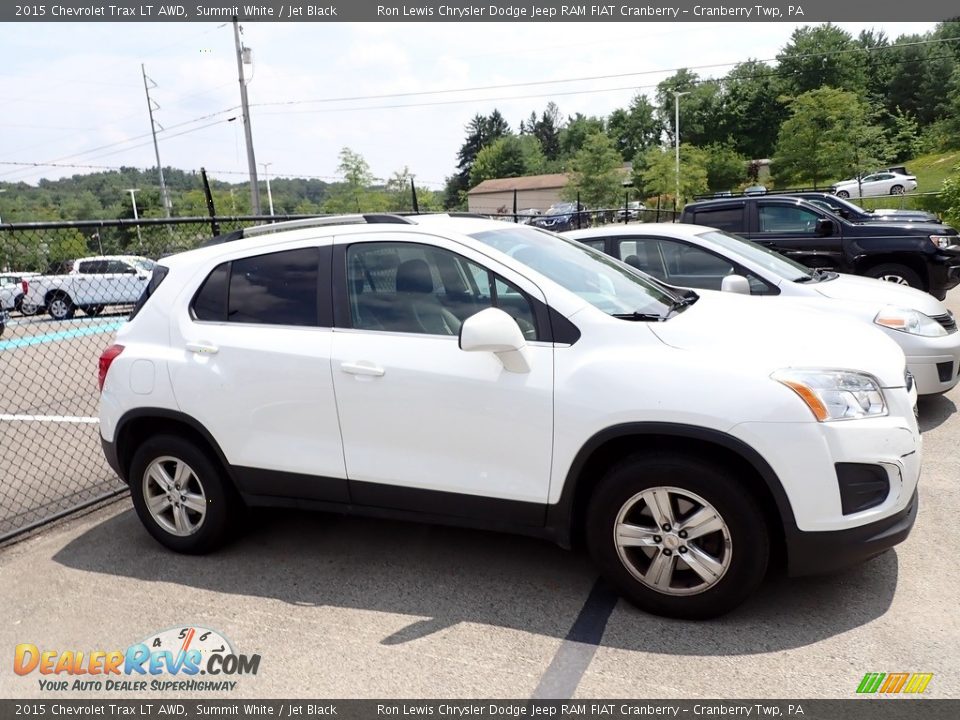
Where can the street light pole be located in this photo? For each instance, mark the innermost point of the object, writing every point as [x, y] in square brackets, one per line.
[676, 138]
[269, 194]
[133, 199]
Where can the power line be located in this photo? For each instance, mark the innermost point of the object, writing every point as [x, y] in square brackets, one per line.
[592, 78]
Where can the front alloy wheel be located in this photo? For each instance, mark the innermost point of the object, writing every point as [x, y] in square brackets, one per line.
[677, 535]
[673, 541]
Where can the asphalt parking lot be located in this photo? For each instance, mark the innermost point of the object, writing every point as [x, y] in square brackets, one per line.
[347, 607]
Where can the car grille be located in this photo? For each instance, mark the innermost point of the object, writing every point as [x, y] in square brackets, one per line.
[948, 321]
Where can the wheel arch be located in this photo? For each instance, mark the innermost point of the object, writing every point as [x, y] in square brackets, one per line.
[137, 425]
[908, 260]
[568, 517]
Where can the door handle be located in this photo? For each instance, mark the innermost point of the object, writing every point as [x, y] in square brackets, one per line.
[362, 367]
[202, 348]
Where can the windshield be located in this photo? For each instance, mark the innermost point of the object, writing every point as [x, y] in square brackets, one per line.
[144, 264]
[768, 259]
[602, 281]
[560, 209]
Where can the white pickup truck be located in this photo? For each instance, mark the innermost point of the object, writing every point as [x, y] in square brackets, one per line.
[89, 284]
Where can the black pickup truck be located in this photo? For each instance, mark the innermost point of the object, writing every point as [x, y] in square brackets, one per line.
[924, 256]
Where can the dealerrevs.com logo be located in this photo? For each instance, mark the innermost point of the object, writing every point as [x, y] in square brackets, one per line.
[189, 658]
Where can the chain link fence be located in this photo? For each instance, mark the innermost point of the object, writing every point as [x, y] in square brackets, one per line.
[65, 289]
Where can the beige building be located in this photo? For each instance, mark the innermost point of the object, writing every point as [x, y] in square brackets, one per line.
[493, 197]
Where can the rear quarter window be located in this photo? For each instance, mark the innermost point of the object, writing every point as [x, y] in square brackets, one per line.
[159, 273]
[726, 218]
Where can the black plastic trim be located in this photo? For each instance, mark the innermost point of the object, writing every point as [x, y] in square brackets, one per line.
[257, 481]
[945, 371]
[560, 516]
[862, 486]
[814, 553]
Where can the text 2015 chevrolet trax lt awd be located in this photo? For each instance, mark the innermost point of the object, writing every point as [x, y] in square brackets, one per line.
[485, 374]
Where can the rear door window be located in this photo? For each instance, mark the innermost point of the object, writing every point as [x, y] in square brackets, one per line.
[728, 218]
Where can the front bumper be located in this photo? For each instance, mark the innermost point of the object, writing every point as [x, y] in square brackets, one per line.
[813, 553]
[933, 362]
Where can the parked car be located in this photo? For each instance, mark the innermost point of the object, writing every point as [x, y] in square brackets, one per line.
[923, 256]
[525, 216]
[755, 190]
[89, 284]
[11, 290]
[703, 258]
[881, 183]
[563, 216]
[632, 211]
[495, 375]
[3, 321]
[854, 213]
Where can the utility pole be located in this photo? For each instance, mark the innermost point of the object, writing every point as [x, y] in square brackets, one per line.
[133, 199]
[269, 194]
[251, 160]
[153, 129]
[676, 137]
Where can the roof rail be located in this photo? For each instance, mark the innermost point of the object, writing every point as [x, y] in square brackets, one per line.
[325, 221]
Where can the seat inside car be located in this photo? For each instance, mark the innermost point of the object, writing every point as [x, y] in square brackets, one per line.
[422, 308]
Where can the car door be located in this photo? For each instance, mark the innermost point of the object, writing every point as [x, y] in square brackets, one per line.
[250, 362]
[121, 283]
[791, 230]
[88, 283]
[426, 426]
[684, 264]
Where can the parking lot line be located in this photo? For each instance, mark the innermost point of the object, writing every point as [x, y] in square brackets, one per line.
[83, 331]
[562, 677]
[50, 418]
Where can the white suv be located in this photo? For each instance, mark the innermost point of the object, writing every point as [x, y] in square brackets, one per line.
[486, 374]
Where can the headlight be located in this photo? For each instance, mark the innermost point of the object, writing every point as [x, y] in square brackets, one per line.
[835, 394]
[942, 241]
[913, 322]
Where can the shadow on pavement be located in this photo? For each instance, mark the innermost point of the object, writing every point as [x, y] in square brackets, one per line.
[934, 411]
[450, 575]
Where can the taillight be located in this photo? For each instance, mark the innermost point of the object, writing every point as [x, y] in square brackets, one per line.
[108, 356]
[24, 285]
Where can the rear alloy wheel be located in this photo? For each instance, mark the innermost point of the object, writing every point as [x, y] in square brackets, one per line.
[61, 307]
[27, 308]
[896, 190]
[181, 495]
[843, 194]
[678, 537]
[895, 273]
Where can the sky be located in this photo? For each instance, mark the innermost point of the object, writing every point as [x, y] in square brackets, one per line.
[72, 94]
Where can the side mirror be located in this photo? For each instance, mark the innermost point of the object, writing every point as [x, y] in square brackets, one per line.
[825, 227]
[492, 330]
[735, 284]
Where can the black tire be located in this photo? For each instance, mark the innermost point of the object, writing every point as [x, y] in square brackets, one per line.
[894, 272]
[843, 194]
[896, 190]
[222, 506]
[60, 307]
[93, 310]
[746, 553]
[18, 303]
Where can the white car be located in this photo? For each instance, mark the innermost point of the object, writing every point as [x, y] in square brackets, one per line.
[881, 183]
[89, 284]
[11, 290]
[705, 258]
[477, 373]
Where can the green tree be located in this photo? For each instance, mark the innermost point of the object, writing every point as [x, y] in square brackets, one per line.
[574, 135]
[829, 134]
[655, 172]
[752, 109]
[509, 156]
[821, 55]
[635, 129]
[353, 195]
[726, 168]
[950, 197]
[597, 173]
[481, 131]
